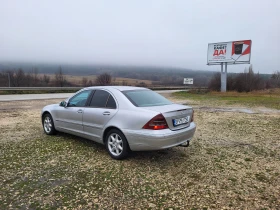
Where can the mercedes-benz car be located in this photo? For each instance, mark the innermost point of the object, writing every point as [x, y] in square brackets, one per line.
[123, 118]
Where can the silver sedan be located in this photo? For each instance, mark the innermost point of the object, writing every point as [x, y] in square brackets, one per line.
[122, 118]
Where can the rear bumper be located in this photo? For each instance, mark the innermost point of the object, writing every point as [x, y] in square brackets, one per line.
[145, 139]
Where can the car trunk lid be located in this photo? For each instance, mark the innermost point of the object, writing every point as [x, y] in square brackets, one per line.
[177, 116]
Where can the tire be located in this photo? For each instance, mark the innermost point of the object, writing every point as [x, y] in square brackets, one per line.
[116, 144]
[48, 124]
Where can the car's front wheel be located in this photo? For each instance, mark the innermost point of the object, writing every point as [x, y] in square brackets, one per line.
[116, 144]
[48, 124]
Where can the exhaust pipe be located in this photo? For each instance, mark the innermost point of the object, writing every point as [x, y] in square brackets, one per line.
[186, 144]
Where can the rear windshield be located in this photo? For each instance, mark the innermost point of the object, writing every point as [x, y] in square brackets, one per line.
[144, 98]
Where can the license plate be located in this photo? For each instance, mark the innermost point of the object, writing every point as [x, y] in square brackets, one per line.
[180, 121]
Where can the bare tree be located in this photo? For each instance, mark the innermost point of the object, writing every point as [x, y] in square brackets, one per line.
[103, 79]
[142, 84]
[6, 78]
[124, 82]
[276, 75]
[215, 82]
[3, 80]
[29, 79]
[17, 77]
[243, 82]
[35, 78]
[276, 78]
[84, 82]
[90, 83]
[60, 79]
[46, 79]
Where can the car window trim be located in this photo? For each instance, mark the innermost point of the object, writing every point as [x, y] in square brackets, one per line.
[89, 98]
[107, 99]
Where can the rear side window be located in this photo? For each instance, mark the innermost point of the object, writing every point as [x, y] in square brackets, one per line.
[111, 103]
[102, 99]
[99, 98]
[145, 98]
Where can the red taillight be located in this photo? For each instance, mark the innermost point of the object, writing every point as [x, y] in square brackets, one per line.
[156, 123]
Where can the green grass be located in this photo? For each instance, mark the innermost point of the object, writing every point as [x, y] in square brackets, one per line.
[269, 100]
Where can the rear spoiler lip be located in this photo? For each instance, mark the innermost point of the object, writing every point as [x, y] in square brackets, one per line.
[180, 110]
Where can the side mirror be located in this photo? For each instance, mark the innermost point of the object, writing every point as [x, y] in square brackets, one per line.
[63, 104]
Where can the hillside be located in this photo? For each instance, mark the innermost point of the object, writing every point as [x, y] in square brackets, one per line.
[122, 75]
[166, 75]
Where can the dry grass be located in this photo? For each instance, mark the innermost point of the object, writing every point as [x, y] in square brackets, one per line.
[267, 93]
[266, 99]
[233, 162]
[116, 80]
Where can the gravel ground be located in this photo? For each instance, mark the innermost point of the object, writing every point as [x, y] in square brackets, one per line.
[233, 162]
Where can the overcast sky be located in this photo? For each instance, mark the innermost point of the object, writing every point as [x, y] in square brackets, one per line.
[138, 32]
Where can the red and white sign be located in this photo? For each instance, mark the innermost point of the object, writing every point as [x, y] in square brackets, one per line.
[229, 52]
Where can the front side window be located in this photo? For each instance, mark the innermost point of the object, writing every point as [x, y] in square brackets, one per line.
[145, 98]
[80, 99]
[102, 99]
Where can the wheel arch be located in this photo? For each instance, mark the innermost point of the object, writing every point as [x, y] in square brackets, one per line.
[110, 128]
[44, 113]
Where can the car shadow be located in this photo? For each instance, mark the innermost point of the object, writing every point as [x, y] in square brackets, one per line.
[157, 157]
[165, 157]
[81, 140]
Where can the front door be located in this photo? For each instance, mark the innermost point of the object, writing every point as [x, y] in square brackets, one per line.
[70, 118]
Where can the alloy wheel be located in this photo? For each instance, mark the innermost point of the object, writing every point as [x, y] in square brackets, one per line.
[48, 124]
[115, 144]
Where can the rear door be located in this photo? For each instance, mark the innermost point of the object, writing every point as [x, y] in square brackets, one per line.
[101, 109]
[70, 118]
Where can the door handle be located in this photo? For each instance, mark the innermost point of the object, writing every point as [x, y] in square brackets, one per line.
[106, 113]
[80, 111]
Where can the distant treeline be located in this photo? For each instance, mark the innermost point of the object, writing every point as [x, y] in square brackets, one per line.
[20, 78]
[26, 75]
[158, 75]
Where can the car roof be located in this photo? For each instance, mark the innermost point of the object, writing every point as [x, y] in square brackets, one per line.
[120, 88]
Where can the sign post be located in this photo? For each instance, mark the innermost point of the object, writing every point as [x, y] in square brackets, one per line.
[235, 52]
[223, 78]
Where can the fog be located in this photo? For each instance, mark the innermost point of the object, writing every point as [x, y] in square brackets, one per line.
[126, 32]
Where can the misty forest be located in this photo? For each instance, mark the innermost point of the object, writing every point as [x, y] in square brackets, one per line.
[55, 75]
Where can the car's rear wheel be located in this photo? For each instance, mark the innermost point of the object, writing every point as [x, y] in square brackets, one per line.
[116, 144]
[48, 124]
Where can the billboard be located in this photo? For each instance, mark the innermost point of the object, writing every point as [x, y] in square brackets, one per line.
[234, 52]
[188, 81]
